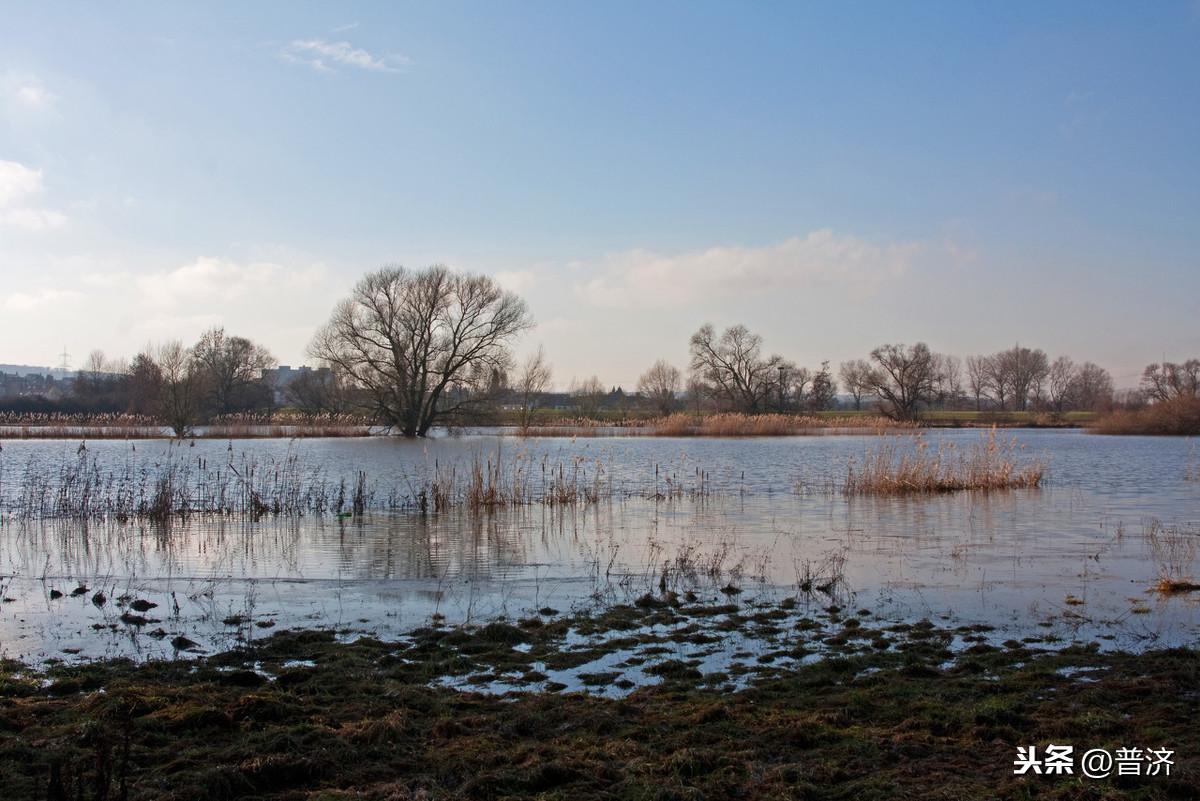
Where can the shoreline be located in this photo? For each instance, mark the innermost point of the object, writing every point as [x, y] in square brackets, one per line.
[598, 429]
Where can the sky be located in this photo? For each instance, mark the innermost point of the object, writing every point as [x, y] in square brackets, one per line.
[833, 175]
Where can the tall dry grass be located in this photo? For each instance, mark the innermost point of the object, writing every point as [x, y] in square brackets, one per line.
[1176, 417]
[992, 463]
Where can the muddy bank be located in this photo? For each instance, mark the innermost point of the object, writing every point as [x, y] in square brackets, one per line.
[831, 703]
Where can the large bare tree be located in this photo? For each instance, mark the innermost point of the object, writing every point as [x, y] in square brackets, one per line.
[408, 337]
[904, 378]
[733, 367]
[659, 384]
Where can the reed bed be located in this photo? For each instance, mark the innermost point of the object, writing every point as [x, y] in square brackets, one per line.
[990, 464]
[278, 425]
[724, 424]
[183, 484]
[70, 432]
[1177, 417]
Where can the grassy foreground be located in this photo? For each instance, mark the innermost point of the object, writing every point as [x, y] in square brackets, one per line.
[890, 712]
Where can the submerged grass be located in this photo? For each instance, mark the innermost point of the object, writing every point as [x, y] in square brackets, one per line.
[991, 463]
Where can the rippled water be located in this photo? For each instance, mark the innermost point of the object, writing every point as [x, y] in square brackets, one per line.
[1068, 560]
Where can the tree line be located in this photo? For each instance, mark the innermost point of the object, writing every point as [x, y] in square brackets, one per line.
[411, 349]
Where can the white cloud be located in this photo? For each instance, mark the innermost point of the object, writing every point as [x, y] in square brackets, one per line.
[643, 278]
[24, 91]
[32, 219]
[17, 182]
[516, 280]
[32, 301]
[326, 56]
[18, 185]
[277, 304]
[215, 281]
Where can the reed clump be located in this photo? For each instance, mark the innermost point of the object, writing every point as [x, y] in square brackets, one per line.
[990, 464]
[1174, 549]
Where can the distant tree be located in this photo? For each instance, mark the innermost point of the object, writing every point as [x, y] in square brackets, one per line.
[144, 384]
[948, 386]
[587, 396]
[732, 365]
[697, 393]
[1018, 373]
[978, 379]
[1092, 387]
[793, 390]
[180, 387]
[904, 378]
[856, 380]
[1168, 380]
[230, 369]
[997, 380]
[532, 383]
[659, 385]
[1060, 383]
[824, 389]
[317, 392]
[100, 384]
[407, 337]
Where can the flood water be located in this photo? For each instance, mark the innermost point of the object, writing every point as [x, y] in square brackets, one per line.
[1075, 559]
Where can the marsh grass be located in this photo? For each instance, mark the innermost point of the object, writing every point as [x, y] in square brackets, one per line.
[1174, 549]
[990, 464]
[182, 484]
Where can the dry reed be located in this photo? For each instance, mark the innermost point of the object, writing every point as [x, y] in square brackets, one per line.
[722, 424]
[989, 464]
[279, 425]
[1177, 417]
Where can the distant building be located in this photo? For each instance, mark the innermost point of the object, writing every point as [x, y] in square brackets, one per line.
[279, 377]
[27, 383]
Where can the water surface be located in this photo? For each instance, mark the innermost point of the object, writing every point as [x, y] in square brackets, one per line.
[1069, 560]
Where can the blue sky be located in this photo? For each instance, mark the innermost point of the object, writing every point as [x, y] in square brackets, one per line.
[835, 175]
